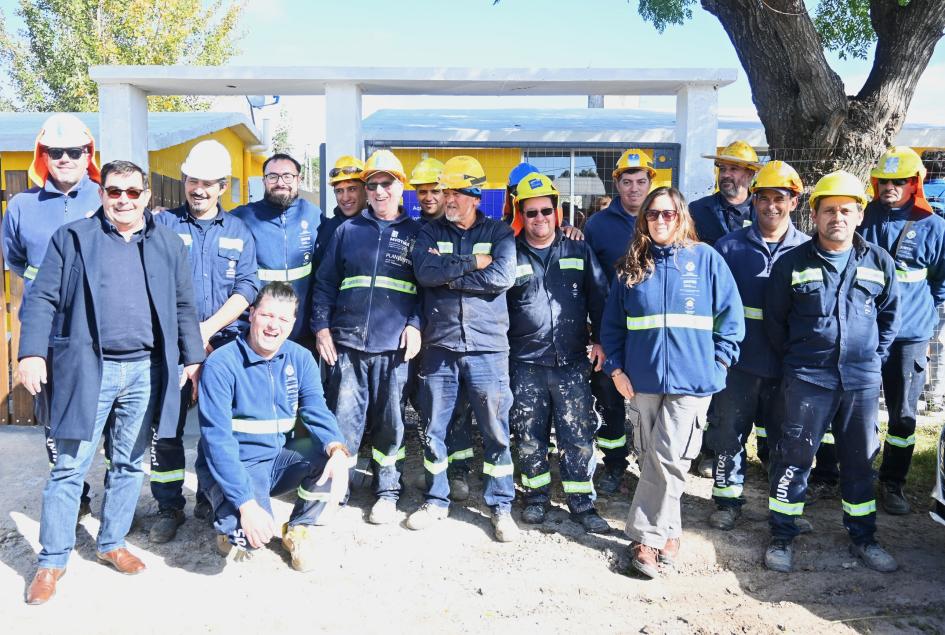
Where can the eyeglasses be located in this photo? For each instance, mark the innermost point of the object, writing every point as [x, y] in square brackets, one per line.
[287, 177]
[133, 193]
[349, 169]
[373, 185]
[668, 215]
[73, 153]
[545, 211]
[896, 182]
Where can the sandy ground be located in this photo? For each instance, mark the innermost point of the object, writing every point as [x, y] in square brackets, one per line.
[453, 578]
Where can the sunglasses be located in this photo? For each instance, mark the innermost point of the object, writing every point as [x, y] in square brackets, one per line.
[896, 182]
[668, 215]
[544, 211]
[73, 153]
[384, 185]
[350, 169]
[133, 193]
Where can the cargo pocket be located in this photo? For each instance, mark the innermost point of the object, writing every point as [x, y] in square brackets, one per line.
[635, 419]
[694, 442]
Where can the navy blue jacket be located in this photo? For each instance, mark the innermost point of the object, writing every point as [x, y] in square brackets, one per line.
[750, 260]
[464, 308]
[365, 289]
[549, 307]
[609, 233]
[920, 263]
[222, 262]
[712, 220]
[326, 229]
[64, 301]
[678, 330]
[831, 331]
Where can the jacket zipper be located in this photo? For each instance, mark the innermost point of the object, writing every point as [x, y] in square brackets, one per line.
[665, 332]
[377, 255]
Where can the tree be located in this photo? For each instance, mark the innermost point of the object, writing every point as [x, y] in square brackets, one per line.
[48, 60]
[280, 138]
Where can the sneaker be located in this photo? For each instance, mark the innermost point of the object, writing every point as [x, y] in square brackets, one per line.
[459, 487]
[299, 541]
[231, 553]
[591, 521]
[875, 557]
[165, 527]
[505, 528]
[645, 559]
[426, 516]
[817, 490]
[724, 518]
[534, 514]
[85, 507]
[669, 551]
[704, 467]
[894, 501]
[383, 512]
[609, 483]
[203, 510]
[779, 556]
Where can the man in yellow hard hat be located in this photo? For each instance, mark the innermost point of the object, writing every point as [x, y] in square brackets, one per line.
[900, 220]
[425, 181]
[345, 179]
[832, 312]
[730, 208]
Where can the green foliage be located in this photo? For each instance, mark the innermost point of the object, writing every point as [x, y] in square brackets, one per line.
[845, 28]
[280, 138]
[48, 60]
[665, 12]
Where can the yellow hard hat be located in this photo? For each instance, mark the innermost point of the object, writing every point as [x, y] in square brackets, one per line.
[899, 162]
[427, 171]
[738, 153]
[534, 185]
[384, 161]
[778, 175]
[634, 159]
[839, 183]
[461, 173]
[346, 168]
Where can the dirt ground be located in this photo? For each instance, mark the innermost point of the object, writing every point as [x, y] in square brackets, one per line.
[453, 578]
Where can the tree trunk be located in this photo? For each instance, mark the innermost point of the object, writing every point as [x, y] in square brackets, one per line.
[808, 119]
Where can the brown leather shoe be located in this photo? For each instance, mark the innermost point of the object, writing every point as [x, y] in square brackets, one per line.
[645, 559]
[669, 551]
[43, 585]
[123, 560]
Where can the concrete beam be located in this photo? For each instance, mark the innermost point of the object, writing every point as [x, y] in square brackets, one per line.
[697, 124]
[342, 128]
[123, 123]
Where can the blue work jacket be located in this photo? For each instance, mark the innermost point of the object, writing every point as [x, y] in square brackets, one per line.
[609, 233]
[365, 290]
[326, 229]
[750, 260]
[549, 306]
[830, 329]
[464, 308]
[677, 331]
[710, 215]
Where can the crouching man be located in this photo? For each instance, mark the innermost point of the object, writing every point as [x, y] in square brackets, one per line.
[251, 391]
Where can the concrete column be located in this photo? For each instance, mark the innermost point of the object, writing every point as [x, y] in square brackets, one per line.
[123, 123]
[342, 128]
[697, 125]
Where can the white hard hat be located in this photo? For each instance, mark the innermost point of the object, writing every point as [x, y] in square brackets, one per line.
[208, 160]
[64, 130]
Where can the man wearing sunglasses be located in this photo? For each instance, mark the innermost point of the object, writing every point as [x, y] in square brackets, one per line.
[730, 208]
[900, 220]
[222, 257]
[115, 292]
[345, 179]
[66, 178]
[284, 225]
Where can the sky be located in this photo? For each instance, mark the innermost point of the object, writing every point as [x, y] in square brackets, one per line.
[513, 33]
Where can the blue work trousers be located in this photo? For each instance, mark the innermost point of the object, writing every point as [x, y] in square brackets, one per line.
[903, 380]
[612, 435]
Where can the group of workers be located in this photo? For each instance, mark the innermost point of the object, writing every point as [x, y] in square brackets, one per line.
[638, 334]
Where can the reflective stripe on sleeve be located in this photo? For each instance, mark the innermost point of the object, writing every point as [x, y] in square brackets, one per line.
[285, 275]
[536, 481]
[807, 275]
[761, 433]
[444, 248]
[386, 460]
[497, 471]
[751, 313]
[572, 263]
[263, 426]
[483, 249]
[790, 509]
[861, 509]
[916, 275]
[31, 272]
[670, 320]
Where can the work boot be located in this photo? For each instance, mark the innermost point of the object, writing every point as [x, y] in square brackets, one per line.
[459, 487]
[779, 556]
[704, 466]
[817, 490]
[894, 502]
[875, 557]
[165, 527]
[669, 551]
[236, 554]
[505, 528]
[591, 521]
[203, 510]
[299, 541]
[609, 483]
[534, 514]
[803, 526]
[383, 512]
[85, 507]
[645, 559]
[426, 515]
[724, 518]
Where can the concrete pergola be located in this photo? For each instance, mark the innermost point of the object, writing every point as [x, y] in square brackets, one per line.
[123, 91]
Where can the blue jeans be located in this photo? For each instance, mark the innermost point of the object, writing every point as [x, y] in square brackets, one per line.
[129, 390]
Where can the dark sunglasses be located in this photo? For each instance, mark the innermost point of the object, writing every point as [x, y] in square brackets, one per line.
[74, 153]
[896, 182]
[668, 215]
[350, 169]
[116, 192]
[545, 211]
[378, 184]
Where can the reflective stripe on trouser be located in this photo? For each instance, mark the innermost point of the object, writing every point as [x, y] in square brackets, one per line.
[612, 437]
[459, 434]
[542, 394]
[667, 436]
[369, 386]
[745, 400]
[903, 380]
[484, 376]
[167, 460]
[809, 411]
[297, 467]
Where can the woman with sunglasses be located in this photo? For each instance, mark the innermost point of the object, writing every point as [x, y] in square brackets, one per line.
[670, 331]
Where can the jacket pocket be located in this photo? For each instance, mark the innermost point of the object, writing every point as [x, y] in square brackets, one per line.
[227, 260]
[809, 299]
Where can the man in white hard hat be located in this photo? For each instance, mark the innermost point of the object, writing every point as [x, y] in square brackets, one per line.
[223, 266]
[66, 178]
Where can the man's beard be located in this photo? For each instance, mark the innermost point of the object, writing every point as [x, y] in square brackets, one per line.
[280, 199]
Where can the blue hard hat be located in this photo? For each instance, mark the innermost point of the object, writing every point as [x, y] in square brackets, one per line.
[520, 171]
